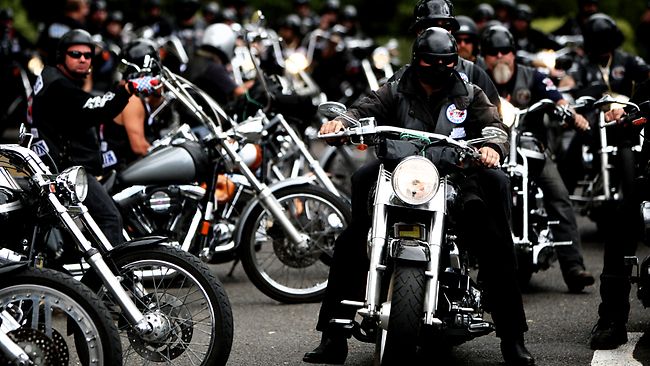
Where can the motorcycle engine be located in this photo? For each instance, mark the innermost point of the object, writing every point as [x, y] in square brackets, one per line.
[164, 201]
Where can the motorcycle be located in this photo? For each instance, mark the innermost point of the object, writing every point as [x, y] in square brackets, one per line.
[531, 227]
[418, 286]
[48, 318]
[283, 234]
[168, 306]
[599, 188]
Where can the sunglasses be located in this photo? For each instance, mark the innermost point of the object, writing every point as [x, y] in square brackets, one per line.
[78, 54]
[465, 40]
[433, 59]
[496, 51]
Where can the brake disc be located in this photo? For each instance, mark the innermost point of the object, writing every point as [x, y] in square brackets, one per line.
[41, 349]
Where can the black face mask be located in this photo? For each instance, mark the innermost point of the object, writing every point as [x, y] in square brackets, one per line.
[435, 75]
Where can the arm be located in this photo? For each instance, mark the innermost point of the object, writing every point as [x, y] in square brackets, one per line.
[133, 121]
[486, 114]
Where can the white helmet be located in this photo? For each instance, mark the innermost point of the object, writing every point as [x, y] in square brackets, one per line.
[221, 37]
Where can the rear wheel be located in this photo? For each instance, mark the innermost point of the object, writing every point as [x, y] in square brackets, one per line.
[397, 345]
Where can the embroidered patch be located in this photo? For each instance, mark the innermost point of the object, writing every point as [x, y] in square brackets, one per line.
[109, 159]
[38, 84]
[40, 148]
[455, 115]
[522, 96]
[458, 133]
[463, 76]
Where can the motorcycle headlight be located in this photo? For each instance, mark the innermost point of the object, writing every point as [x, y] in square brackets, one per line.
[380, 57]
[415, 180]
[508, 112]
[75, 182]
[296, 63]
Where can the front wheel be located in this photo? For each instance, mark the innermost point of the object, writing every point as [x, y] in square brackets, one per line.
[185, 304]
[281, 269]
[57, 320]
[397, 345]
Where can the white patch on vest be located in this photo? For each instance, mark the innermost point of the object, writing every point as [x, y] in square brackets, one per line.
[458, 133]
[455, 115]
[618, 72]
[464, 76]
[108, 159]
[549, 84]
[99, 101]
[40, 148]
[34, 132]
[38, 84]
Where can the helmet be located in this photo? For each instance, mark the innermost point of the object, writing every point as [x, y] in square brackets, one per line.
[429, 13]
[497, 37]
[136, 52]
[211, 8]
[601, 34]
[435, 42]
[97, 5]
[331, 6]
[349, 13]
[115, 16]
[73, 37]
[185, 9]
[467, 26]
[524, 12]
[291, 21]
[6, 14]
[220, 37]
[508, 4]
[483, 11]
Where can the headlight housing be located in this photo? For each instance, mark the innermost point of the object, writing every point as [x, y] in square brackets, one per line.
[75, 181]
[415, 180]
[380, 57]
[296, 63]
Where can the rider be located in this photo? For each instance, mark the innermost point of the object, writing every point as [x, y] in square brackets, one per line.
[468, 41]
[439, 13]
[64, 119]
[607, 69]
[522, 86]
[421, 99]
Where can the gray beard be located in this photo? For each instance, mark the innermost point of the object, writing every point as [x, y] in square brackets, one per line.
[501, 73]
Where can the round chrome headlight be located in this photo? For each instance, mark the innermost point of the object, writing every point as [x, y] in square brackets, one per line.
[75, 181]
[415, 180]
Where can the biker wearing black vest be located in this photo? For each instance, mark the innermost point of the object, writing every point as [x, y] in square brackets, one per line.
[431, 96]
[523, 86]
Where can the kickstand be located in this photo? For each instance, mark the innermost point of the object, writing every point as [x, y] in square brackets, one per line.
[232, 269]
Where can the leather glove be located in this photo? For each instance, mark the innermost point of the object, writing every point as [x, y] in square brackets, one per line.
[143, 85]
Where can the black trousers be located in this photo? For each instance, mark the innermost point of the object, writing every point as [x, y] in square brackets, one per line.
[103, 210]
[485, 221]
[621, 237]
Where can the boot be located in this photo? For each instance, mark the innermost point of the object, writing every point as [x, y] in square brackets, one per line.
[333, 349]
[577, 279]
[608, 335]
[515, 353]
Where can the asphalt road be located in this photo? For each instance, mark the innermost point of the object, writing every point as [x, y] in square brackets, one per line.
[270, 333]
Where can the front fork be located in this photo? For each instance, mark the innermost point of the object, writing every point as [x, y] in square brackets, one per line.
[97, 262]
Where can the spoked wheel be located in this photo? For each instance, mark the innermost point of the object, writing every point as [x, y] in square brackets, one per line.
[397, 345]
[184, 303]
[40, 308]
[281, 269]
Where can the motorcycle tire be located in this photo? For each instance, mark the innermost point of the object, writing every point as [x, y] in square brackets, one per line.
[274, 264]
[397, 345]
[168, 284]
[76, 316]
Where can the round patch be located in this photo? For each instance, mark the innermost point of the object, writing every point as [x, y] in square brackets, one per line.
[455, 115]
[522, 96]
[618, 72]
[464, 76]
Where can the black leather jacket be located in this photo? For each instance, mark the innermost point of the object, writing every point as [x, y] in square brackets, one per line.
[461, 110]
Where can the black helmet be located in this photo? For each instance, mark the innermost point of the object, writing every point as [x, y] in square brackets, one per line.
[331, 6]
[6, 14]
[435, 43]
[524, 12]
[467, 26]
[349, 13]
[136, 52]
[115, 16]
[211, 8]
[97, 5]
[293, 22]
[497, 38]
[601, 34]
[483, 11]
[429, 13]
[73, 37]
[507, 4]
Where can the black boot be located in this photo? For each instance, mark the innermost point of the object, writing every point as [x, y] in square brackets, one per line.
[333, 349]
[577, 279]
[608, 335]
[515, 353]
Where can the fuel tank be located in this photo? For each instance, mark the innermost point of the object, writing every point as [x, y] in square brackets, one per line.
[173, 164]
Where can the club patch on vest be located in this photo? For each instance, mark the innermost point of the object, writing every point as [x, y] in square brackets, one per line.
[455, 115]
[463, 76]
[618, 72]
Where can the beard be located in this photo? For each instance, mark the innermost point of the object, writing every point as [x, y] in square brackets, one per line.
[501, 73]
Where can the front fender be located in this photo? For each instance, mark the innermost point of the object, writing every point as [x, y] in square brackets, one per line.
[298, 181]
[140, 243]
[410, 251]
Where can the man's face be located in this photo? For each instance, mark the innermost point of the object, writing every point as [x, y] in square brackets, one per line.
[465, 46]
[500, 64]
[78, 59]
